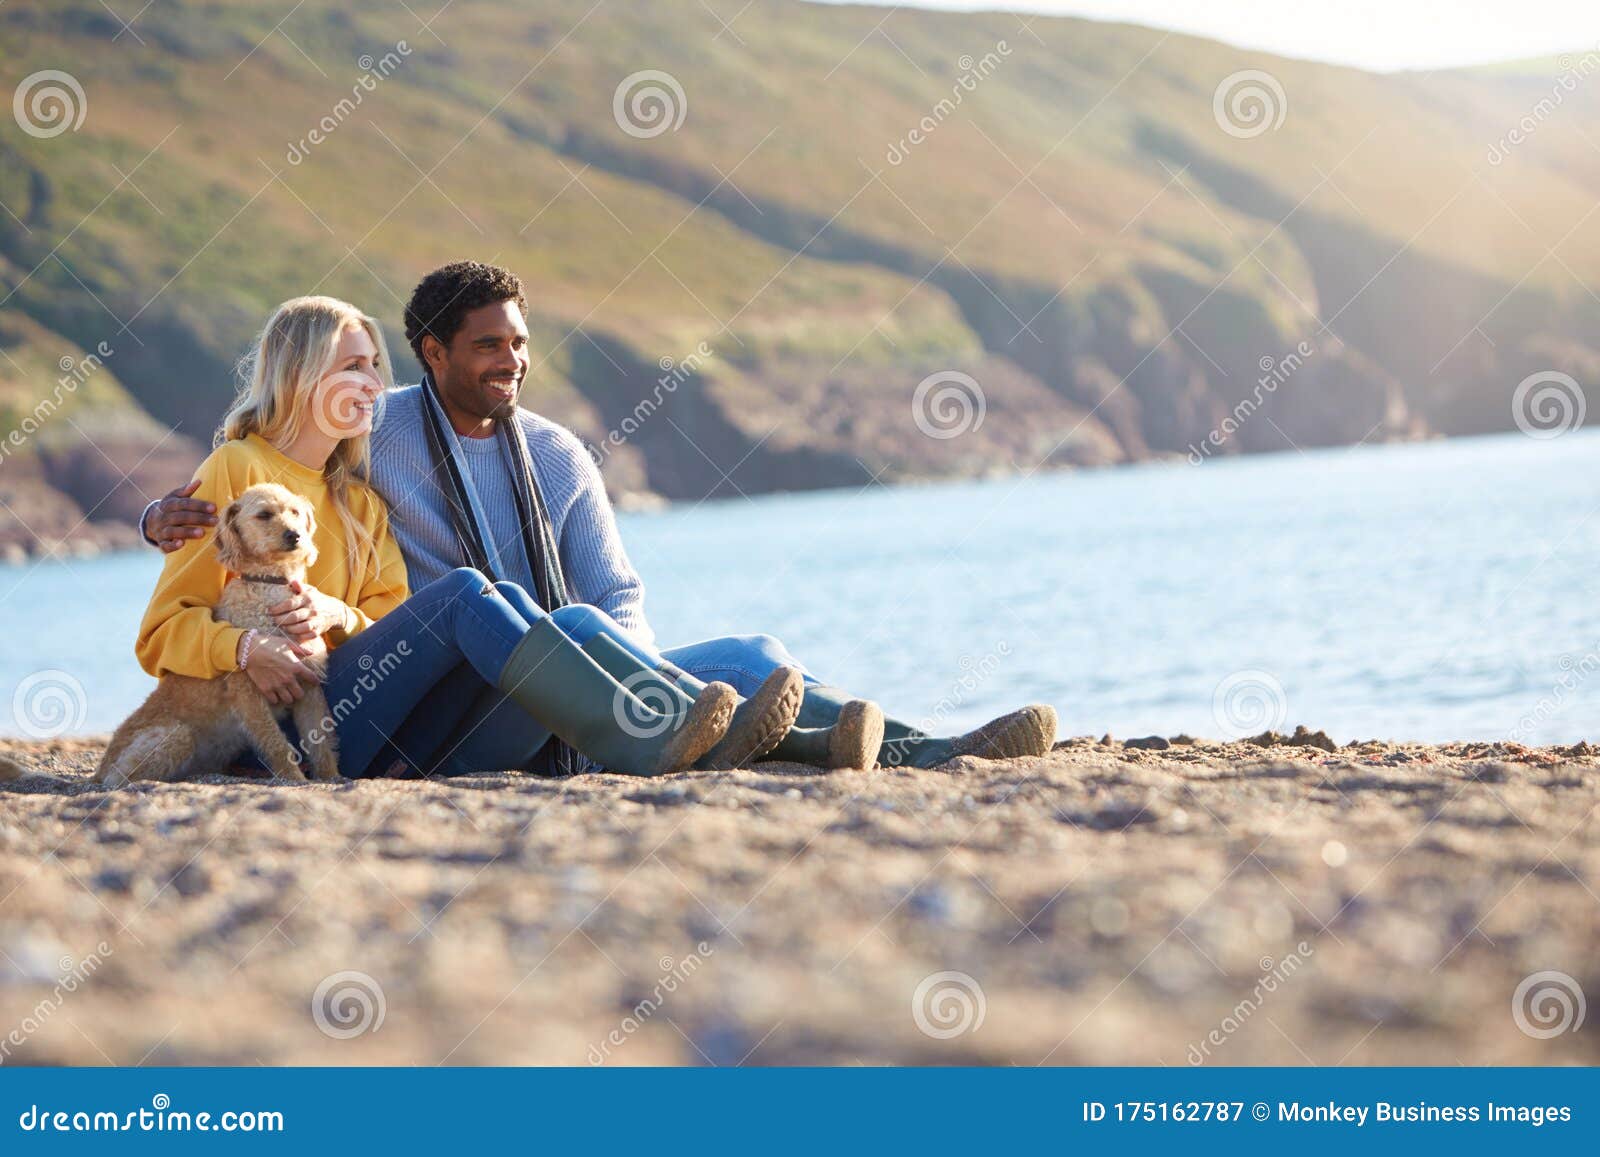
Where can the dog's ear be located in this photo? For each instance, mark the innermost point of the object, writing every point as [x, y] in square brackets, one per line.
[311, 533]
[229, 552]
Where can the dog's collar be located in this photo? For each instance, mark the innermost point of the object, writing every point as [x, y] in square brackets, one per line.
[274, 579]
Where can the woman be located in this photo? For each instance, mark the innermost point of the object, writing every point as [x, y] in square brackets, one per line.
[318, 371]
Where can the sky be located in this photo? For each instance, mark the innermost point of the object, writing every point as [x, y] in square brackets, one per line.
[1381, 35]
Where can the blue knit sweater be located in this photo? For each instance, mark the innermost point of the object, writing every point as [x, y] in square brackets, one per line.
[593, 560]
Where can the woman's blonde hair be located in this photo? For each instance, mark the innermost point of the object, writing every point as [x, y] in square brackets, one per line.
[295, 350]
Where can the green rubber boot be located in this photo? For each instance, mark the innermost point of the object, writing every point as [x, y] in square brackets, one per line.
[556, 683]
[852, 741]
[1030, 731]
[758, 723]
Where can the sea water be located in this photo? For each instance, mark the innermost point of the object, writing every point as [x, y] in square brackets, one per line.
[1444, 590]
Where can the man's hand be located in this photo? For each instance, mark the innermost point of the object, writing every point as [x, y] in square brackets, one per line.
[308, 613]
[276, 670]
[179, 517]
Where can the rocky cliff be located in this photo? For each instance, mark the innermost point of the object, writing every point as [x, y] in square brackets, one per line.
[807, 247]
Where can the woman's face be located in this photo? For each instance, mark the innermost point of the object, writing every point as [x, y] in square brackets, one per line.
[343, 401]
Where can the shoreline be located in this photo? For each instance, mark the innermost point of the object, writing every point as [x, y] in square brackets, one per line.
[112, 538]
[1112, 903]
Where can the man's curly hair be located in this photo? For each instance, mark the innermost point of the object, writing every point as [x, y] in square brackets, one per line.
[440, 303]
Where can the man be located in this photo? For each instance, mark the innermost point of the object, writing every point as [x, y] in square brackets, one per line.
[466, 324]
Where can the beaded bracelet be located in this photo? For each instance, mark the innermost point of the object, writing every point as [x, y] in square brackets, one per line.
[246, 645]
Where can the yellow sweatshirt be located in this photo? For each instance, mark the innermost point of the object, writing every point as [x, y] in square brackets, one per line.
[178, 635]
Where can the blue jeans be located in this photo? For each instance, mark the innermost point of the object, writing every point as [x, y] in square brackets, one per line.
[426, 663]
[420, 686]
[468, 725]
[744, 661]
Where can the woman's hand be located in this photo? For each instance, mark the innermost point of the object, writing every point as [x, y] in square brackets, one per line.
[276, 670]
[308, 613]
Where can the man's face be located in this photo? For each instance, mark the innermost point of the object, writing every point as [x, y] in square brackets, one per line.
[480, 372]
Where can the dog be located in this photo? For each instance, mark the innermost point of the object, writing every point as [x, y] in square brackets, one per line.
[266, 540]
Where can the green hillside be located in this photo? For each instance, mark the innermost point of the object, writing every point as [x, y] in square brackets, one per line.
[1070, 225]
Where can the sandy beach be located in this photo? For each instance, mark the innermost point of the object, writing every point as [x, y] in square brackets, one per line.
[1171, 903]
